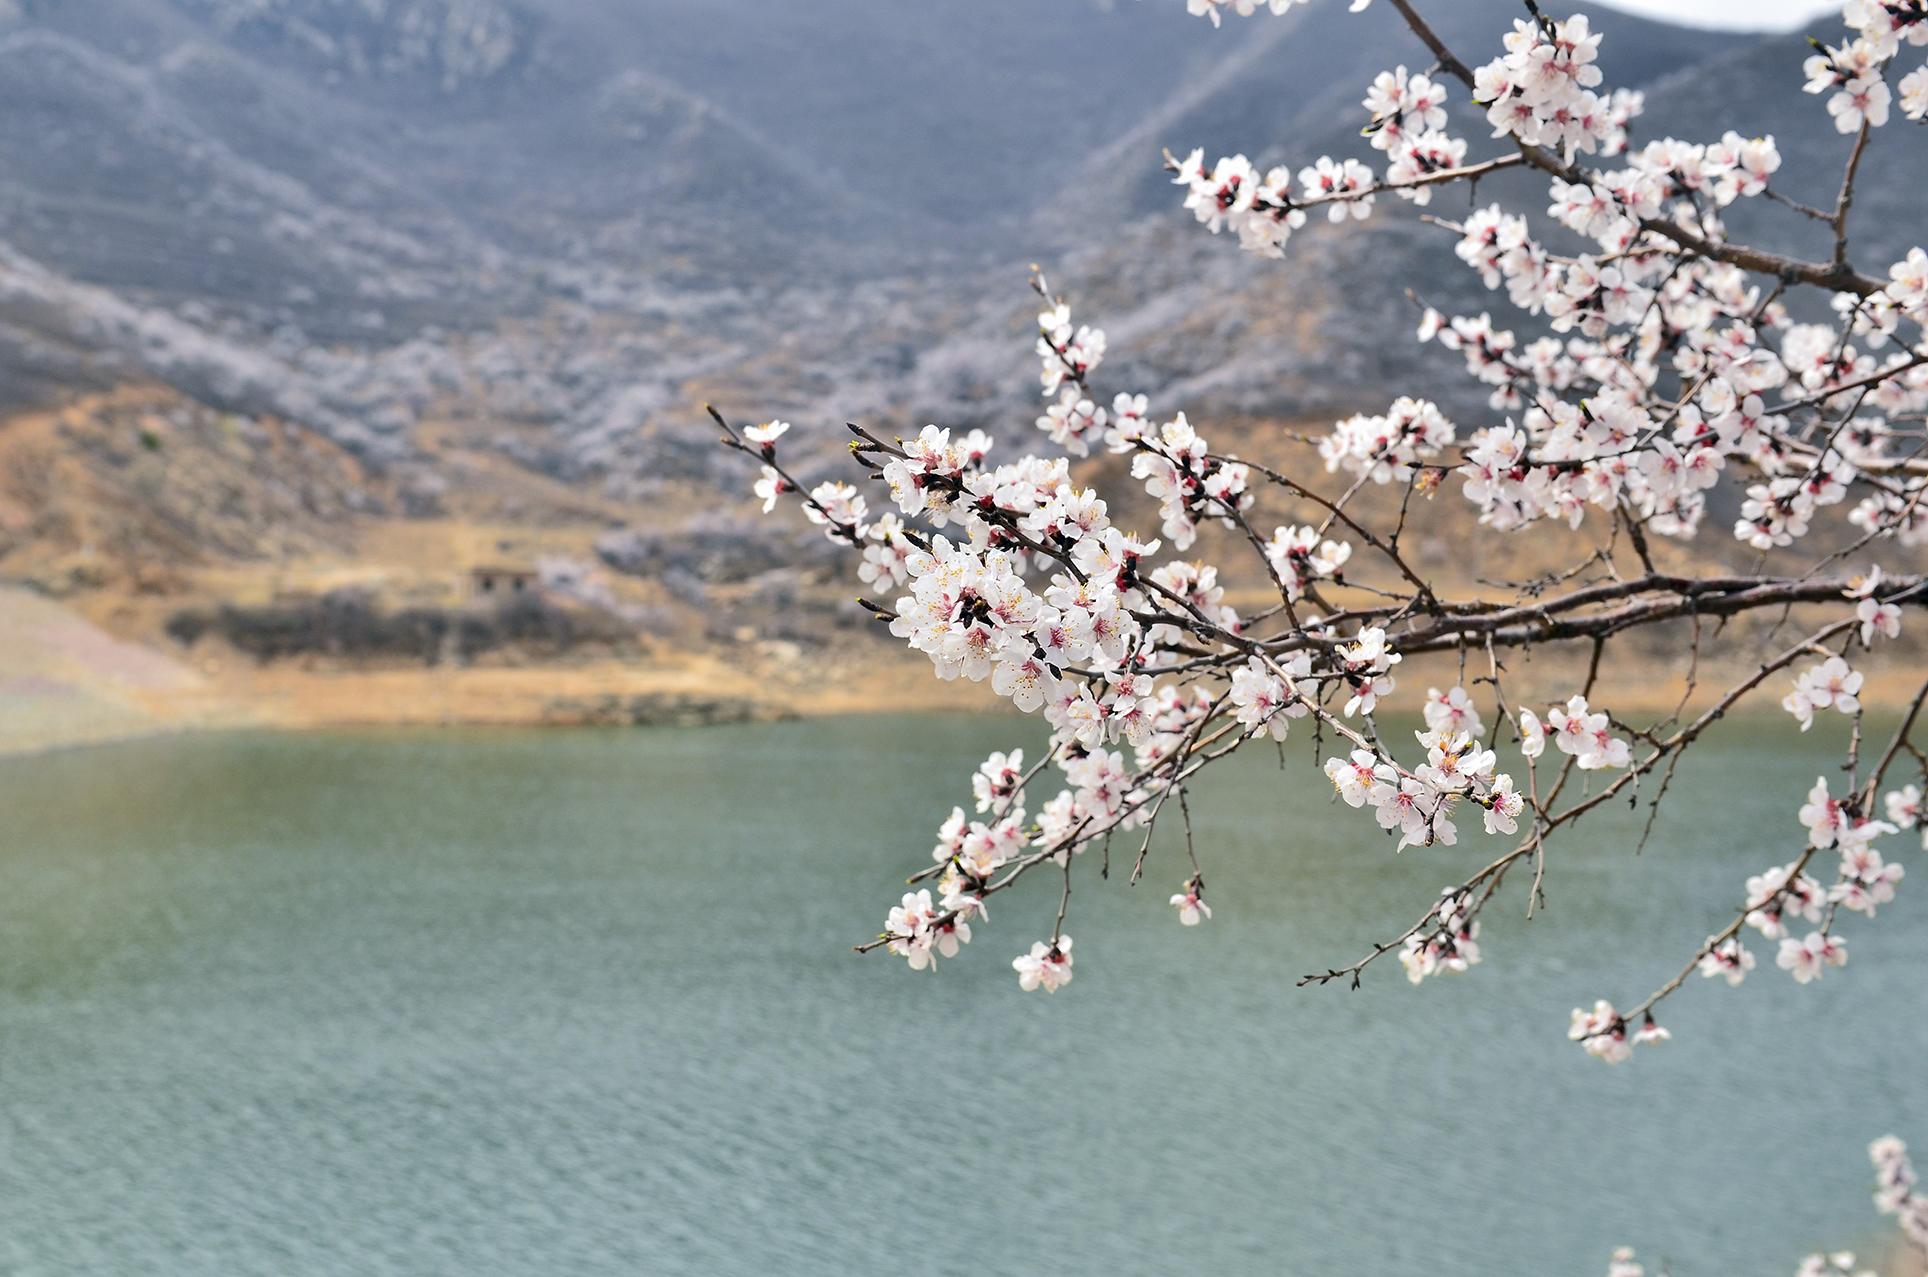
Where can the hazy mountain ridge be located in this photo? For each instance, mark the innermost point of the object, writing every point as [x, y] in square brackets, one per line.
[453, 43]
[551, 230]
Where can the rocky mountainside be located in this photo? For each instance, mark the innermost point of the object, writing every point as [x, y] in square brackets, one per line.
[546, 231]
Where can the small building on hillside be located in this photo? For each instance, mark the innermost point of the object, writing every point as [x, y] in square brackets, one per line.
[495, 581]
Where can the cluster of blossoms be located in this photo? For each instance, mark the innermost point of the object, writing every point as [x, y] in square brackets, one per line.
[1804, 958]
[1069, 355]
[1661, 361]
[1386, 449]
[1608, 453]
[1839, 822]
[1785, 894]
[1895, 1192]
[1403, 106]
[1603, 1033]
[1584, 734]
[1232, 195]
[1408, 122]
[1265, 696]
[1774, 896]
[1541, 91]
[1828, 685]
[1727, 958]
[1905, 811]
[919, 932]
[1302, 556]
[1449, 942]
[1047, 966]
[1852, 74]
[1406, 119]
[1417, 804]
[1190, 485]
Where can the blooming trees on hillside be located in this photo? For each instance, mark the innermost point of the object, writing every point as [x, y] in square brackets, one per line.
[1656, 373]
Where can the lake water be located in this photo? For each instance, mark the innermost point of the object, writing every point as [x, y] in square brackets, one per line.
[583, 1003]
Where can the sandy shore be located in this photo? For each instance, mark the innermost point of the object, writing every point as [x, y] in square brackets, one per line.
[65, 681]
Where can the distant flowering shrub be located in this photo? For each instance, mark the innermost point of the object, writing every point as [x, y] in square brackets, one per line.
[1662, 365]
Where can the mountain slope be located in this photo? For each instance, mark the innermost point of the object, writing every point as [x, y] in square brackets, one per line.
[558, 226]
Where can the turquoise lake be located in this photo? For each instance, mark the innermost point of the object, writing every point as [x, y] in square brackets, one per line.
[583, 1002]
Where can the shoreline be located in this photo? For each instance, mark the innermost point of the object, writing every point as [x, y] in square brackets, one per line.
[66, 683]
[12, 748]
[654, 710]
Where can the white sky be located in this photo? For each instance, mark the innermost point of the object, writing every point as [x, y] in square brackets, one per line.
[1749, 15]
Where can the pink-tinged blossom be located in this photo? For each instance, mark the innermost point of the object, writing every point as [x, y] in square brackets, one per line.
[1778, 894]
[1263, 701]
[1729, 959]
[1895, 1189]
[1448, 946]
[1601, 1032]
[1532, 734]
[1862, 100]
[1913, 91]
[1828, 685]
[1865, 881]
[1904, 810]
[1191, 905]
[1804, 958]
[1452, 710]
[838, 508]
[1302, 557]
[1367, 663]
[909, 928]
[1047, 966]
[1341, 185]
[769, 487]
[1414, 810]
[1587, 735]
[1503, 807]
[1877, 618]
[1623, 1264]
[1834, 821]
[1354, 777]
[1385, 448]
